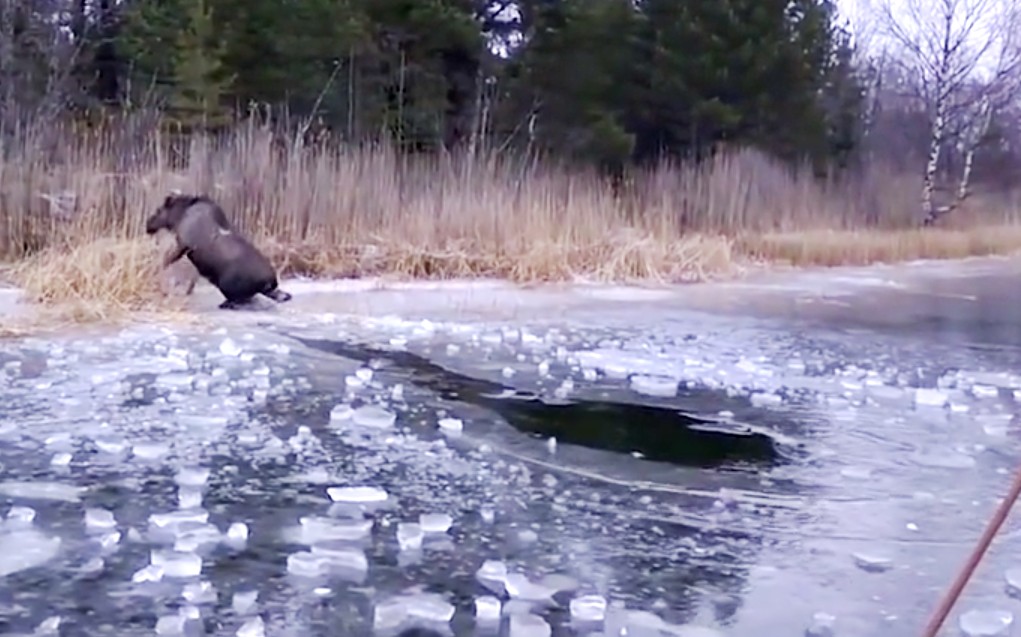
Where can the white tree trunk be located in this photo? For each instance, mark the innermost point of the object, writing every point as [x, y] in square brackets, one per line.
[935, 145]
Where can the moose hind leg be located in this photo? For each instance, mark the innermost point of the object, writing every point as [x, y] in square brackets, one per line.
[239, 287]
[277, 294]
[229, 305]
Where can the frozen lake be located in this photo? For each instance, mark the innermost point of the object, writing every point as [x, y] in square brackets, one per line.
[801, 453]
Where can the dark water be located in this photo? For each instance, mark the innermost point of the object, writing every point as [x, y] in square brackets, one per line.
[792, 475]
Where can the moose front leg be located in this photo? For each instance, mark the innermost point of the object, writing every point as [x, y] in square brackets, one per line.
[174, 254]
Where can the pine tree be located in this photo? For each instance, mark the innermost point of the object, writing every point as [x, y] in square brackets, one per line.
[200, 80]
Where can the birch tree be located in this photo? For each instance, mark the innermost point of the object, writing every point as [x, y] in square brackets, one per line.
[966, 59]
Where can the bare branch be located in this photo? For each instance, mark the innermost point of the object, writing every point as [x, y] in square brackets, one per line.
[965, 61]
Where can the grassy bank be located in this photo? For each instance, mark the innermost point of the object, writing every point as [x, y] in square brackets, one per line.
[73, 207]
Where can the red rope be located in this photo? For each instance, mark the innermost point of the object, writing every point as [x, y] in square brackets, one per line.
[992, 528]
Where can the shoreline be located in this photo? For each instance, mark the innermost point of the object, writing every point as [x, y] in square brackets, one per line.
[797, 292]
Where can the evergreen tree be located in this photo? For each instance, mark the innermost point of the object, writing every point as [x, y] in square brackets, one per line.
[200, 81]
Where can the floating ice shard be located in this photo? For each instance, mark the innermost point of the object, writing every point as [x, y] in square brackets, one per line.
[25, 549]
[374, 416]
[409, 536]
[492, 570]
[659, 386]
[1013, 578]
[520, 587]
[528, 625]
[340, 413]
[237, 532]
[925, 397]
[871, 562]
[20, 516]
[195, 536]
[48, 626]
[588, 608]
[199, 593]
[229, 348]
[357, 494]
[389, 614]
[192, 476]
[150, 573]
[253, 627]
[642, 622]
[305, 564]
[451, 424]
[435, 522]
[336, 554]
[821, 626]
[171, 625]
[487, 609]
[984, 391]
[429, 607]
[986, 623]
[178, 564]
[243, 602]
[189, 497]
[41, 491]
[320, 529]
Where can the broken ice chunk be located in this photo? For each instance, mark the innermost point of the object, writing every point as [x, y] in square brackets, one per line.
[528, 625]
[305, 564]
[341, 413]
[487, 609]
[48, 626]
[930, 397]
[171, 625]
[346, 558]
[364, 374]
[150, 450]
[243, 602]
[357, 494]
[871, 562]
[492, 570]
[986, 623]
[520, 587]
[150, 573]
[985, 391]
[253, 627]
[435, 522]
[178, 564]
[229, 348]
[1013, 577]
[199, 593]
[192, 476]
[659, 386]
[320, 529]
[451, 424]
[821, 626]
[389, 614]
[409, 536]
[429, 607]
[374, 416]
[189, 497]
[20, 516]
[588, 608]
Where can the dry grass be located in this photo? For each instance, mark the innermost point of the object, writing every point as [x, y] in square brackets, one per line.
[72, 208]
[864, 247]
[105, 280]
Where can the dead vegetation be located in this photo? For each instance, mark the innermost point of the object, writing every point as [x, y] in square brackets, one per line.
[73, 214]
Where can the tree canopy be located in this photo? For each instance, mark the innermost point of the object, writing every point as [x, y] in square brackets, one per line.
[603, 81]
